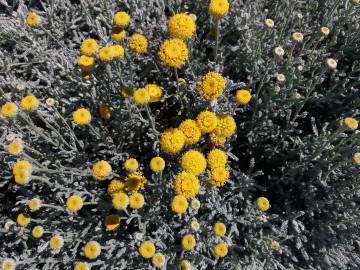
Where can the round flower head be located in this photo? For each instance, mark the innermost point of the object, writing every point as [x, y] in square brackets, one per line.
[15, 147]
[216, 158]
[221, 250]
[185, 265]
[22, 177]
[88, 47]
[297, 36]
[331, 63]
[154, 92]
[351, 123]
[141, 96]
[22, 165]
[158, 260]
[121, 19]
[81, 266]
[179, 204]
[92, 250]
[263, 203]
[9, 109]
[29, 103]
[115, 186]
[56, 242]
[218, 176]
[172, 141]
[8, 264]
[195, 204]
[216, 140]
[82, 117]
[181, 26]
[206, 121]
[105, 111]
[136, 200]
[191, 131]
[101, 170]
[37, 231]
[218, 8]
[86, 62]
[219, 229]
[50, 101]
[279, 51]
[157, 164]
[275, 245]
[131, 165]
[112, 222]
[280, 78]
[173, 53]
[106, 54]
[120, 200]
[134, 181]
[325, 30]
[195, 225]
[188, 242]
[147, 249]
[138, 43]
[269, 23]
[33, 19]
[74, 203]
[357, 158]
[23, 219]
[34, 204]
[193, 162]
[118, 51]
[226, 126]
[212, 85]
[243, 96]
[118, 34]
[186, 184]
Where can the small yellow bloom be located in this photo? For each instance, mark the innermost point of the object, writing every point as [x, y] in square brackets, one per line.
[131, 165]
[9, 109]
[172, 141]
[134, 182]
[297, 36]
[219, 229]
[118, 51]
[218, 176]
[206, 121]
[181, 26]
[173, 53]
[191, 131]
[263, 203]
[351, 123]
[269, 23]
[357, 158]
[105, 111]
[188, 242]
[15, 147]
[33, 19]
[179, 204]
[21, 165]
[106, 54]
[56, 242]
[158, 260]
[22, 177]
[275, 245]
[112, 222]
[216, 140]
[82, 266]
[193, 162]
[29, 103]
[186, 184]
[88, 47]
[23, 219]
[92, 250]
[157, 164]
[115, 186]
[147, 249]
[121, 19]
[154, 92]
[185, 265]
[141, 96]
[101, 170]
[138, 43]
[243, 96]
[82, 116]
[217, 158]
[8, 264]
[221, 250]
[86, 62]
[118, 34]
[325, 30]
[37, 231]
[34, 204]
[74, 203]
[211, 86]
[226, 126]
[219, 8]
[120, 200]
[136, 200]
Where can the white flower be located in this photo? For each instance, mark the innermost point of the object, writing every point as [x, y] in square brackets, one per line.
[325, 30]
[300, 68]
[195, 204]
[331, 63]
[298, 37]
[279, 51]
[8, 264]
[269, 23]
[50, 101]
[280, 77]
[195, 225]
[357, 158]
[138, 236]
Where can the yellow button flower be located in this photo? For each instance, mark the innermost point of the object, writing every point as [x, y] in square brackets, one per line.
[8, 264]
[74, 203]
[115, 186]
[131, 165]
[219, 229]
[263, 203]
[173, 53]
[218, 176]
[92, 250]
[351, 123]
[112, 222]
[120, 200]
[179, 204]
[191, 131]
[134, 182]
[297, 36]
[23, 219]
[15, 147]
[9, 109]
[157, 164]
[181, 26]
[158, 260]
[217, 158]
[141, 96]
[243, 96]
[121, 19]
[82, 117]
[29, 103]
[185, 265]
[56, 242]
[82, 266]
[101, 170]
[147, 249]
[186, 184]
[138, 43]
[211, 86]
[172, 141]
[34, 204]
[118, 34]
[22, 177]
[106, 54]
[86, 62]
[188, 242]
[221, 249]
[154, 92]
[219, 8]
[193, 162]
[89, 47]
[21, 165]
[195, 204]
[207, 121]
[33, 19]
[357, 158]
[37, 231]
[118, 51]
[226, 126]
[136, 200]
